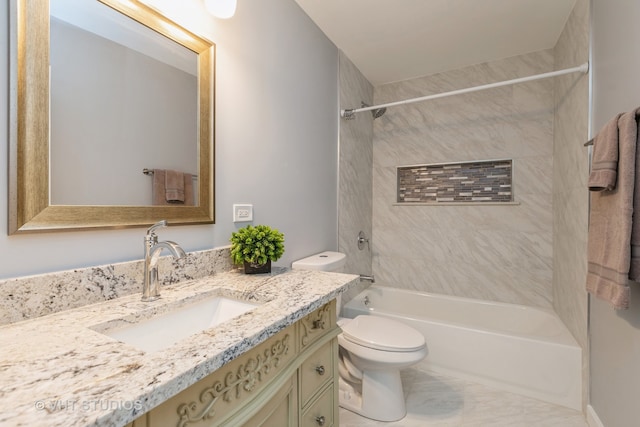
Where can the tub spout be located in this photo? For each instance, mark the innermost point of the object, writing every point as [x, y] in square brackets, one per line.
[369, 278]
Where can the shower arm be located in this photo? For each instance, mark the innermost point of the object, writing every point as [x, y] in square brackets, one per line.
[584, 68]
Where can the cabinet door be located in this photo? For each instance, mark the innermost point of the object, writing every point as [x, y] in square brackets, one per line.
[281, 410]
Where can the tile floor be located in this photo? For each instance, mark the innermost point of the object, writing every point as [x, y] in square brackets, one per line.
[438, 401]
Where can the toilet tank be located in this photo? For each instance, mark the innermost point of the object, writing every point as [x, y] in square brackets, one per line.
[324, 261]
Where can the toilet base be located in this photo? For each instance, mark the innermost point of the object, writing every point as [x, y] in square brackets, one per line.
[382, 397]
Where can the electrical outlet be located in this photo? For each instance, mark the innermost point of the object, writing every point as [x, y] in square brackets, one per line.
[242, 213]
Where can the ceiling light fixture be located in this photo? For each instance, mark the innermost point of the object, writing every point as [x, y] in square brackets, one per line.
[221, 8]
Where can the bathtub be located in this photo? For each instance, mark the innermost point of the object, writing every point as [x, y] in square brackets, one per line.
[519, 349]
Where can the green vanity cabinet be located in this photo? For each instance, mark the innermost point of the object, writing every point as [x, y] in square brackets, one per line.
[291, 379]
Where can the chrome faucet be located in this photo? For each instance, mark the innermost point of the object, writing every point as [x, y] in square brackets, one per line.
[369, 278]
[152, 250]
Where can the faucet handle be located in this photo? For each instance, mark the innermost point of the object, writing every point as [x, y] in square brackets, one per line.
[151, 231]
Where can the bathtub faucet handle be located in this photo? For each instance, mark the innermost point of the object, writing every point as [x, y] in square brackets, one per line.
[362, 239]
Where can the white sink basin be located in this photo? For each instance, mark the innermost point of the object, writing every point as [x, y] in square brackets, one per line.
[166, 329]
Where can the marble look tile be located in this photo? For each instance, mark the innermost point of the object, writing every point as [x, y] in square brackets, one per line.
[505, 69]
[502, 253]
[430, 142]
[570, 173]
[538, 413]
[355, 170]
[494, 283]
[537, 132]
[532, 99]
[573, 44]
[531, 176]
[436, 401]
[485, 406]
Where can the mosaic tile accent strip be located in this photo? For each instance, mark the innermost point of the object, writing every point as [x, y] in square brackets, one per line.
[480, 181]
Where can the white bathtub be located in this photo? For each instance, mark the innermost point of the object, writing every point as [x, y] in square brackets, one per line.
[515, 348]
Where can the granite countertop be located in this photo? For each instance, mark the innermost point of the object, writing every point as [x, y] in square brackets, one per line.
[57, 370]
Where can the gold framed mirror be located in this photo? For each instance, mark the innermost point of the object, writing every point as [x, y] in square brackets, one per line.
[30, 205]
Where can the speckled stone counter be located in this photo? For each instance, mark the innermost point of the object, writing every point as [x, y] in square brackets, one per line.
[28, 297]
[57, 370]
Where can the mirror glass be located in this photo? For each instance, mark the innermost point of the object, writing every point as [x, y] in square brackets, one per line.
[124, 99]
[111, 118]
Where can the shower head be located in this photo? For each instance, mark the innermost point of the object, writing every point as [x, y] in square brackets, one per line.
[378, 112]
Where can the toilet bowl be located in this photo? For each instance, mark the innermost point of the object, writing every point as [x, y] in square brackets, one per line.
[372, 351]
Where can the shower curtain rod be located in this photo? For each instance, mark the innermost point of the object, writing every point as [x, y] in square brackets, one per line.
[584, 68]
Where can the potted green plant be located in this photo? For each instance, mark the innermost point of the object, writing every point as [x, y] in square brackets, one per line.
[256, 247]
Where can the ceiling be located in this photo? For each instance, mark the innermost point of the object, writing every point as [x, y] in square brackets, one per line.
[396, 40]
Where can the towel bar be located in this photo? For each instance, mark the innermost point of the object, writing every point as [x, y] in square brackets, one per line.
[149, 172]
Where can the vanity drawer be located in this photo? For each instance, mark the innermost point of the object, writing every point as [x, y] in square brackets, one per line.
[316, 324]
[321, 413]
[292, 373]
[316, 371]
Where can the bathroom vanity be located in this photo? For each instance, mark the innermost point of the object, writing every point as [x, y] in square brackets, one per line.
[288, 380]
[276, 364]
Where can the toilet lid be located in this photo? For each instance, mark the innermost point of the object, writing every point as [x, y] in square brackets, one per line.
[381, 333]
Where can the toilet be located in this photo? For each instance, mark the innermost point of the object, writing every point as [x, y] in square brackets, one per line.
[373, 350]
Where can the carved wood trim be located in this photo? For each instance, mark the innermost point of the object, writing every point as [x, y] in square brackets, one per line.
[245, 378]
[318, 321]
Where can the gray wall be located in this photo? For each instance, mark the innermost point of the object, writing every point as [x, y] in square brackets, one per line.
[570, 172]
[276, 142]
[615, 335]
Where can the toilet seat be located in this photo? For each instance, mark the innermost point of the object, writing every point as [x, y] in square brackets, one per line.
[380, 333]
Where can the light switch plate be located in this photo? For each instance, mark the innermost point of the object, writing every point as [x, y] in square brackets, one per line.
[242, 213]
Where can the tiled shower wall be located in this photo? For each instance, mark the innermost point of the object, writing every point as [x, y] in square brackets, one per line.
[356, 157]
[493, 252]
[570, 173]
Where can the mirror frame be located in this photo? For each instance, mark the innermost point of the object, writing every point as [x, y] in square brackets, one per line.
[30, 209]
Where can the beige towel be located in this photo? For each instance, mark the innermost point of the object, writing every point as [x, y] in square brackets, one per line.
[634, 268]
[604, 162]
[610, 220]
[172, 188]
